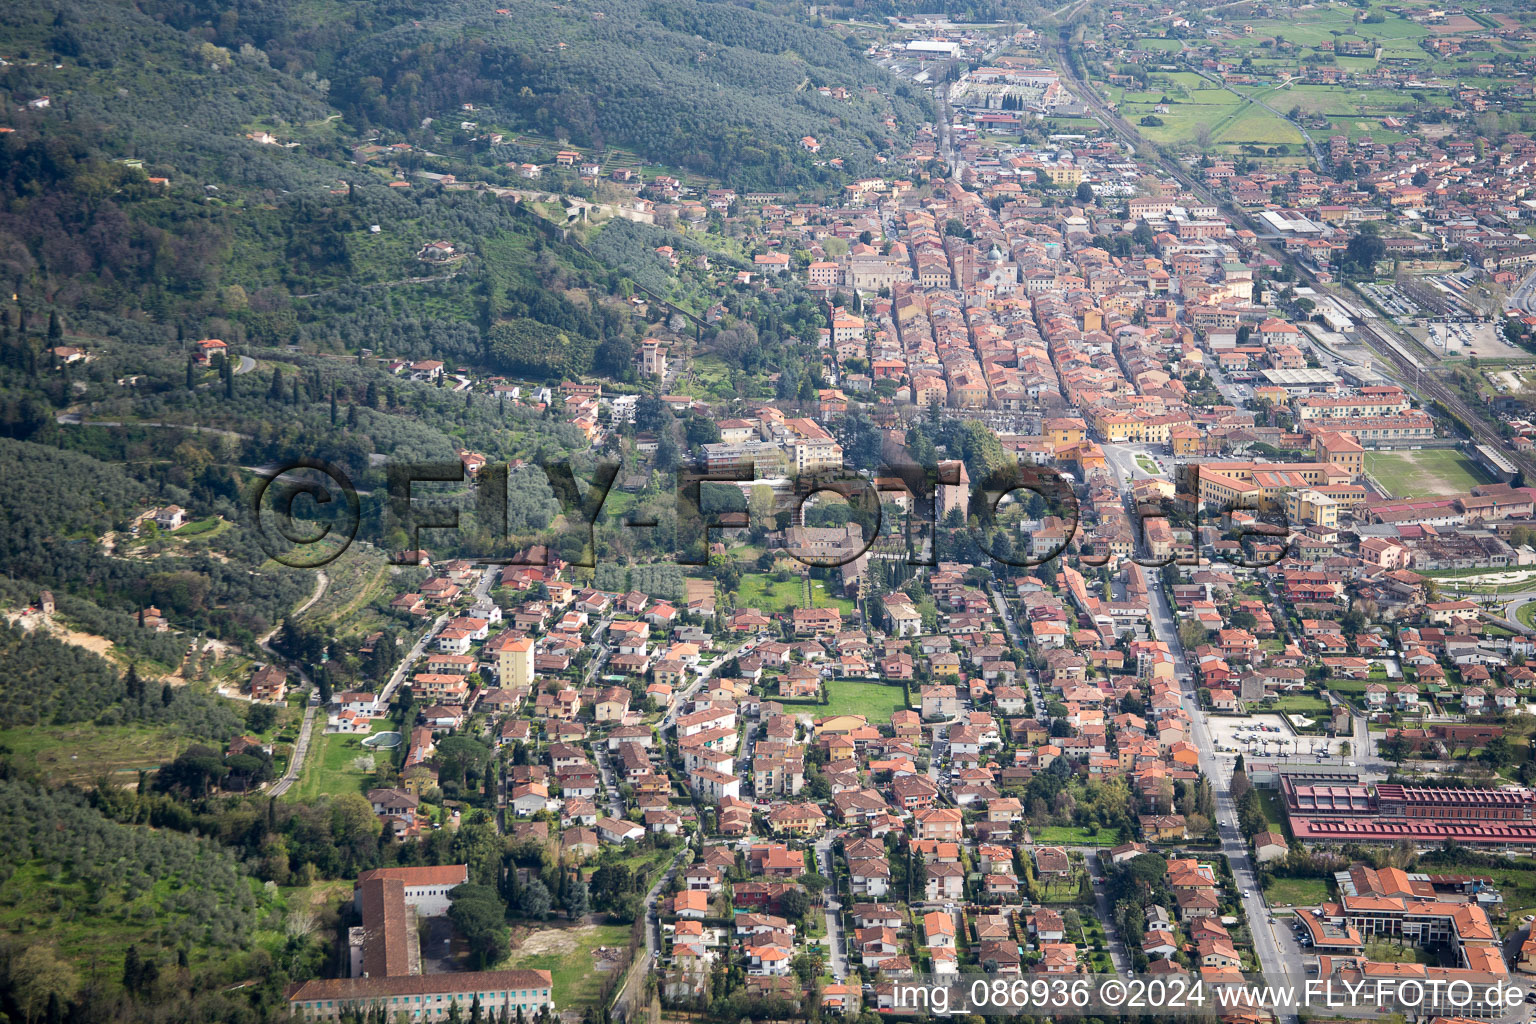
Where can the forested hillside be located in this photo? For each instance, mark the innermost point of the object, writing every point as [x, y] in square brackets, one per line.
[44, 681]
[717, 88]
[78, 891]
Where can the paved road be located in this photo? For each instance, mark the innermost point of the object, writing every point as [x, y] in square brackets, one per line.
[1118, 954]
[627, 1002]
[307, 729]
[482, 588]
[1122, 457]
[679, 700]
[1266, 944]
[603, 651]
[837, 948]
[1523, 298]
[610, 781]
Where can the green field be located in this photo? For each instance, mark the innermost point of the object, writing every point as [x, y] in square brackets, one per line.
[1063, 835]
[332, 767]
[767, 595]
[1199, 109]
[355, 578]
[1431, 472]
[822, 598]
[1396, 36]
[84, 752]
[569, 954]
[1257, 126]
[1310, 706]
[877, 702]
[1388, 951]
[1296, 892]
[1274, 810]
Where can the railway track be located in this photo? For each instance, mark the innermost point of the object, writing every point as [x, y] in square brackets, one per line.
[1376, 338]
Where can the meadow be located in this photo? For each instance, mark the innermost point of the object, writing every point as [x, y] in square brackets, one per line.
[877, 702]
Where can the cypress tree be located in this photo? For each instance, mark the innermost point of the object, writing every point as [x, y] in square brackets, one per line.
[133, 970]
[190, 372]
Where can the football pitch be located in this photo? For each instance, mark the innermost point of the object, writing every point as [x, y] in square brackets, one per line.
[1430, 472]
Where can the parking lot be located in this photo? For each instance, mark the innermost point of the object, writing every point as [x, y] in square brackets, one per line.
[1266, 737]
[1458, 339]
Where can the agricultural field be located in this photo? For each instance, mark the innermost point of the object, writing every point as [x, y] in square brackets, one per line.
[1200, 112]
[84, 752]
[1309, 29]
[356, 578]
[1430, 472]
[877, 702]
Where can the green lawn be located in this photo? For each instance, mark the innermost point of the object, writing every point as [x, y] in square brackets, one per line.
[1274, 809]
[877, 702]
[1297, 892]
[1384, 951]
[1432, 472]
[769, 596]
[1302, 703]
[199, 526]
[1061, 835]
[824, 599]
[332, 766]
[569, 954]
[1259, 126]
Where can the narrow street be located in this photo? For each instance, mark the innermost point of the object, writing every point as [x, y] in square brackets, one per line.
[1113, 940]
[837, 955]
[311, 709]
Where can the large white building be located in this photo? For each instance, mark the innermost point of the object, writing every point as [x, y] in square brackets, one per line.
[426, 888]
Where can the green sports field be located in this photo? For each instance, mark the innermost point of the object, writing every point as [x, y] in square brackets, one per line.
[1431, 472]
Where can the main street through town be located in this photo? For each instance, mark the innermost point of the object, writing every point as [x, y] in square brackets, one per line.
[1261, 925]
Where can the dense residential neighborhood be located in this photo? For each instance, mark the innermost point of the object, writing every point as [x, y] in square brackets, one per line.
[508, 530]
